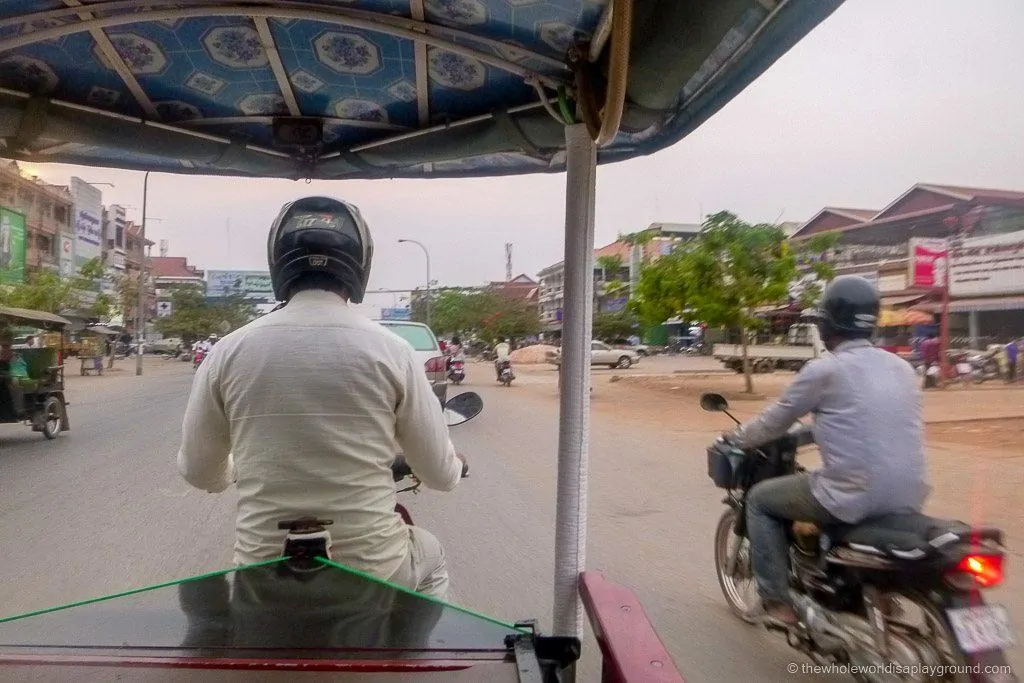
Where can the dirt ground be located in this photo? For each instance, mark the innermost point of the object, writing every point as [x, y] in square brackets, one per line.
[988, 416]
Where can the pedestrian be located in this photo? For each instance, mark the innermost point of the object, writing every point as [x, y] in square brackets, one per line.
[930, 358]
[1012, 352]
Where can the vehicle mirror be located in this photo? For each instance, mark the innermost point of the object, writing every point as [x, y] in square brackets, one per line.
[714, 403]
[463, 408]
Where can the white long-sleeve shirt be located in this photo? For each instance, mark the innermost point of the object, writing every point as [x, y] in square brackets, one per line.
[306, 408]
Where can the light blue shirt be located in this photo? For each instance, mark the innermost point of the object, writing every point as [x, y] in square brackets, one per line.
[868, 425]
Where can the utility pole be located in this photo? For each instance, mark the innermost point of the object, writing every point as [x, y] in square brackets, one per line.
[508, 262]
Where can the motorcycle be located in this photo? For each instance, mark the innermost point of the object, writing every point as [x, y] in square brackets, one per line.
[505, 374]
[985, 365]
[898, 594]
[456, 371]
[197, 358]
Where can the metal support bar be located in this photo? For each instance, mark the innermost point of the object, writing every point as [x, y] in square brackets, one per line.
[276, 65]
[571, 510]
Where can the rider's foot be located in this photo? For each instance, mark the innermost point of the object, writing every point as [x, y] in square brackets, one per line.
[781, 612]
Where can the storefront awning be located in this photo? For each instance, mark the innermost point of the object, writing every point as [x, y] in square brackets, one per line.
[893, 301]
[904, 318]
[991, 303]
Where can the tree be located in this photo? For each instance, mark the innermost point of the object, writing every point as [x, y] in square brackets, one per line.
[484, 313]
[721, 277]
[193, 317]
[611, 326]
[815, 253]
[44, 290]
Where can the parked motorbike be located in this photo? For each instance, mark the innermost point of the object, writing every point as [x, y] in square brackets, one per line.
[505, 374]
[984, 365]
[899, 596]
[456, 371]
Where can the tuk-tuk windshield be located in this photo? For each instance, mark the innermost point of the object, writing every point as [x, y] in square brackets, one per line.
[261, 611]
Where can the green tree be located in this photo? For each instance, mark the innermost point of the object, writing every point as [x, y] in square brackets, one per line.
[193, 317]
[816, 252]
[612, 326]
[484, 313]
[721, 277]
[45, 290]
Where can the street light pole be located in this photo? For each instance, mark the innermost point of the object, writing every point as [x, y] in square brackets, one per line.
[427, 254]
[140, 315]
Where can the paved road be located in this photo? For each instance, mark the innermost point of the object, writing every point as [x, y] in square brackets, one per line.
[102, 509]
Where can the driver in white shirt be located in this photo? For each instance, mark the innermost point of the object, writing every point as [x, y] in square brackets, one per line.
[315, 432]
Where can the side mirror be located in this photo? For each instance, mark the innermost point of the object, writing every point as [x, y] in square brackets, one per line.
[714, 403]
[463, 408]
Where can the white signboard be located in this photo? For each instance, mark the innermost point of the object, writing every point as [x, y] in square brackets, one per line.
[164, 309]
[987, 266]
[87, 207]
[252, 284]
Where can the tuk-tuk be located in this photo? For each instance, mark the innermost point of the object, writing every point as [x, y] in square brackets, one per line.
[32, 375]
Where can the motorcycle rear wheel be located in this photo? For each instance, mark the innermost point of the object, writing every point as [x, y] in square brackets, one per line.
[739, 589]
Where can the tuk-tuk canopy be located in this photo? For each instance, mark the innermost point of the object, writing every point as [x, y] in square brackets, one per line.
[373, 88]
[30, 318]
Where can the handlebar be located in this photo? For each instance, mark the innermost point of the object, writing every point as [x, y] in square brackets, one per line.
[400, 469]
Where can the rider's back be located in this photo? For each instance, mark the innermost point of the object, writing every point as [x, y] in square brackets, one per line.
[869, 428]
[311, 393]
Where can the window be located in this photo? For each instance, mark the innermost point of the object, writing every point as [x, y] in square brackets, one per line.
[421, 338]
[598, 346]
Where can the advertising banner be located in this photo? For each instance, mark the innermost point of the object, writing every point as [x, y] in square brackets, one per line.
[88, 220]
[928, 262]
[252, 284]
[395, 314]
[12, 246]
[989, 266]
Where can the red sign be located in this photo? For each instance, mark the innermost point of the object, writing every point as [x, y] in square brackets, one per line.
[929, 262]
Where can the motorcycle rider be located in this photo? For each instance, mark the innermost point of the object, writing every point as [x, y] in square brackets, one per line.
[502, 351]
[315, 433]
[868, 426]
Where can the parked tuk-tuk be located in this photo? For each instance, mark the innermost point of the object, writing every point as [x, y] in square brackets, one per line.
[32, 374]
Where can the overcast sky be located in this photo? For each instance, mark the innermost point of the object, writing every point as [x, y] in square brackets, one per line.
[882, 95]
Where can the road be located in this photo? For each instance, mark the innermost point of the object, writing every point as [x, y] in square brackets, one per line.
[102, 509]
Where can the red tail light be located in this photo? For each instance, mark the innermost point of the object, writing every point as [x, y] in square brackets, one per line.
[977, 571]
[436, 364]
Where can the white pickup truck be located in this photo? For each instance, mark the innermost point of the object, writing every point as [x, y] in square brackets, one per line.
[803, 344]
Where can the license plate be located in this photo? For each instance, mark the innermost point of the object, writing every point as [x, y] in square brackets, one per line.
[982, 628]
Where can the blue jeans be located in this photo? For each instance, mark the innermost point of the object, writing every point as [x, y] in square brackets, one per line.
[771, 506]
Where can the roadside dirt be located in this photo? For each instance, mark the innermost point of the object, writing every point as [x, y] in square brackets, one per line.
[989, 416]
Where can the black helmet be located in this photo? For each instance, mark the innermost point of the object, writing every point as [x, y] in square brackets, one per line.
[849, 308]
[320, 235]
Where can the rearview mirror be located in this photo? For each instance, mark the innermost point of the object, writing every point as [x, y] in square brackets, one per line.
[462, 408]
[714, 403]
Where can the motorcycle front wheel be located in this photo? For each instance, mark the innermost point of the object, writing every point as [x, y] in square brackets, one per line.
[739, 587]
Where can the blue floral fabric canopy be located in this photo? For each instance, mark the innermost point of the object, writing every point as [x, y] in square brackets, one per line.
[364, 88]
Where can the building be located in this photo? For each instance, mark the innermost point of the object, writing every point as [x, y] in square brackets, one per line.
[616, 270]
[903, 246]
[47, 210]
[521, 287]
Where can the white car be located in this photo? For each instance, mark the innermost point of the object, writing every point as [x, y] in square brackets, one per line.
[427, 351]
[602, 354]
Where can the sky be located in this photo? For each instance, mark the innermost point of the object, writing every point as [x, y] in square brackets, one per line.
[880, 96]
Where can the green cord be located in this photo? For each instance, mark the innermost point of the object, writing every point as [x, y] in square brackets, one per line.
[265, 563]
[409, 591]
[141, 590]
[563, 105]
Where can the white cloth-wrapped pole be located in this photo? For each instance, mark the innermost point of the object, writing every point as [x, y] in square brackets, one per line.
[577, 318]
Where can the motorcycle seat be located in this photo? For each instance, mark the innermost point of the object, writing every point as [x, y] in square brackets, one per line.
[906, 536]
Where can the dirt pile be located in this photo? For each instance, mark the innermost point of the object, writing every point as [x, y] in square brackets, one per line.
[538, 353]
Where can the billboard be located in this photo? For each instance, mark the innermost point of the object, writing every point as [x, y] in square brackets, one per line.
[928, 262]
[87, 207]
[988, 266]
[979, 266]
[252, 284]
[12, 246]
[395, 314]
